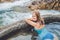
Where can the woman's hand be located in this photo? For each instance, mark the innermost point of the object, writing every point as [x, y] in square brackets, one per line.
[34, 24]
[30, 22]
[30, 19]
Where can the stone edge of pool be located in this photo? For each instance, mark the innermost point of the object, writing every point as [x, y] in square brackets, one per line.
[48, 18]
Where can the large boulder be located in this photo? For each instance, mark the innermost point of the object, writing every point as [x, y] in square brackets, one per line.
[22, 24]
[47, 4]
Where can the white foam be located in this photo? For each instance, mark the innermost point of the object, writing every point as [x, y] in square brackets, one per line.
[7, 5]
[11, 17]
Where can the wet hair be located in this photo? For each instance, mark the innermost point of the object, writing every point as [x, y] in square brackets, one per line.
[39, 19]
[37, 15]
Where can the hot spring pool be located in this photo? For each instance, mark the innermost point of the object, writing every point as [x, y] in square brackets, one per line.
[8, 17]
[12, 12]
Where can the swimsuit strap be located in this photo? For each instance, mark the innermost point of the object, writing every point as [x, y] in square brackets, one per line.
[39, 31]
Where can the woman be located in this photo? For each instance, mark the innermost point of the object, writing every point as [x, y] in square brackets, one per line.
[38, 23]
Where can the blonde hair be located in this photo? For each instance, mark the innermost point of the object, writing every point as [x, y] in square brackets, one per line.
[39, 19]
[37, 15]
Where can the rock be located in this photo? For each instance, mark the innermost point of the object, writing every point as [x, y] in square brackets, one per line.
[20, 9]
[22, 24]
[47, 4]
[7, 0]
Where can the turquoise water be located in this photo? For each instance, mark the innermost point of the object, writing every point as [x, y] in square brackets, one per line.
[52, 27]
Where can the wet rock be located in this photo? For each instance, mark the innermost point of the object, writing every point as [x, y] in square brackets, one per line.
[47, 4]
[22, 25]
[7, 0]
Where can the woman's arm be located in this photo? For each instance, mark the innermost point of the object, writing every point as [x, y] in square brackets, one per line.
[30, 22]
[37, 25]
[30, 19]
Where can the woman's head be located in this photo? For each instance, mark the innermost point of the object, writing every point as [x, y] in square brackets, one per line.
[36, 16]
